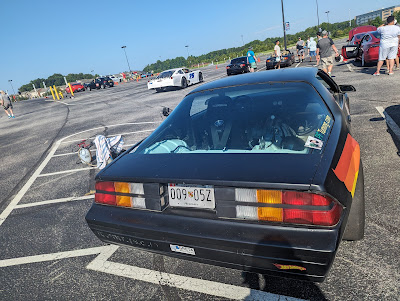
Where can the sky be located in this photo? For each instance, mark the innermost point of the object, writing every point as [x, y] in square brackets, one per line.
[43, 37]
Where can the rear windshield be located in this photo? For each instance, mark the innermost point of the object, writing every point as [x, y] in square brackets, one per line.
[274, 117]
[376, 34]
[239, 60]
[165, 74]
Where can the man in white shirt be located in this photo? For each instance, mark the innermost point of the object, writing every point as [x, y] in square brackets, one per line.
[277, 52]
[389, 44]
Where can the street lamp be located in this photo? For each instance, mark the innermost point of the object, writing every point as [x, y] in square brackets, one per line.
[284, 26]
[123, 47]
[187, 48]
[327, 15]
[10, 81]
[316, 1]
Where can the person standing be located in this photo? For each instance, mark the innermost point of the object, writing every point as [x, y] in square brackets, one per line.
[324, 50]
[308, 45]
[300, 49]
[389, 44]
[277, 51]
[5, 101]
[251, 57]
[319, 37]
[313, 48]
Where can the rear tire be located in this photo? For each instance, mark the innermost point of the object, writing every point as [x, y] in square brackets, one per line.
[103, 87]
[356, 221]
[158, 90]
[201, 77]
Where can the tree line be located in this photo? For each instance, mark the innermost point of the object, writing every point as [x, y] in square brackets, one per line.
[56, 79]
[338, 29]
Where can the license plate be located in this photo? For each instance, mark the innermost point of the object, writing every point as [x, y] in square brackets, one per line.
[191, 196]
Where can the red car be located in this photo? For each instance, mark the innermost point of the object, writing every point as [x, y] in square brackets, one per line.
[355, 40]
[75, 87]
[360, 29]
[367, 51]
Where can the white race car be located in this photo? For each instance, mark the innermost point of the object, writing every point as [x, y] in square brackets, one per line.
[178, 77]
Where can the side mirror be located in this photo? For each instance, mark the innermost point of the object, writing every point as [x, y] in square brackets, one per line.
[166, 111]
[347, 88]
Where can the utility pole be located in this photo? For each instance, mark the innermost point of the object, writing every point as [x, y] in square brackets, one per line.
[284, 27]
[316, 1]
[123, 47]
[10, 81]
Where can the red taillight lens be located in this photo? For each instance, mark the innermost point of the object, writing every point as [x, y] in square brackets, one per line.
[105, 198]
[327, 215]
[227, 67]
[292, 207]
[172, 77]
[242, 65]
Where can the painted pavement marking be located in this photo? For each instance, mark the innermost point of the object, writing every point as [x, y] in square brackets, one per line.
[390, 122]
[55, 201]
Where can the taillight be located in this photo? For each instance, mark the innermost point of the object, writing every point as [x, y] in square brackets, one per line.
[268, 61]
[227, 67]
[291, 207]
[131, 195]
[172, 77]
[242, 65]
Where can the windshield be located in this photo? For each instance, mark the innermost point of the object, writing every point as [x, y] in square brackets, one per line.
[376, 34]
[165, 74]
[259, 118]
[239, 60]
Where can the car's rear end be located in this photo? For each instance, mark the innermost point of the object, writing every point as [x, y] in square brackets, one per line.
[164, 79]
[237, 66]
[371, 49]
[239, 194]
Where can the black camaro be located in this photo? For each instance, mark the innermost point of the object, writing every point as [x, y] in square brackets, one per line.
[100, 83]
[238, 65]
[287, 59]
[257, 172]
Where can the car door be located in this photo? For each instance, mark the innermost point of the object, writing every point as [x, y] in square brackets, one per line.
[341, 97]
[191, 76]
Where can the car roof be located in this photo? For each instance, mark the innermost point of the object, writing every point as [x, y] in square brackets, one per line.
[281, 75]
[172, 69]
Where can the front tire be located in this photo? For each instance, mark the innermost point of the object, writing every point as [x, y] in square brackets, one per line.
[363, 60]
[356, 221]
[103, 87]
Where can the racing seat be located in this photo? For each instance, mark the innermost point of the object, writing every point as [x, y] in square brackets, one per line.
[219, 118]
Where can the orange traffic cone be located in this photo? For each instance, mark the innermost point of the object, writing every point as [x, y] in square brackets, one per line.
[116, 83]
[258, 59]
[137, 79]
[216, 66]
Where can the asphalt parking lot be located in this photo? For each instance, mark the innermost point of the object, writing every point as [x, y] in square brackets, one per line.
[48, 252]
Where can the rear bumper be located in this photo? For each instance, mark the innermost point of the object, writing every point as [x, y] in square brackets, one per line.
[295, 252]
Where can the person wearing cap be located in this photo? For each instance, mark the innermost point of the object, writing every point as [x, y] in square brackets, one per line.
[389, 44]
[251, 57]
[324, 50]
[6, 103]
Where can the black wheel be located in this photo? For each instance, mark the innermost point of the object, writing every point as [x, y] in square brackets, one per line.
[90, 88]
[356, 221]
[102, 86]
[201, 77]
[184, 83]
[159, 90]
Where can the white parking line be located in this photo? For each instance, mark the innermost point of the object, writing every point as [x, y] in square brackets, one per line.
[64, 171]
[297, 65]
[218, 289]
[55, 201]
[14, 202]
[52, 256]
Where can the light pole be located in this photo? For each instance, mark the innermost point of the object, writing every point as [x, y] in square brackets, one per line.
[316, 1]
[123, 47]
[10, 81]
[284, 27]
[327, 15]
[187, 48]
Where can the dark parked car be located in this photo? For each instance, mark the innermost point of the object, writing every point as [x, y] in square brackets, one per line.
[238, 65]
[287, 59]
[256, 172]
[100, 83]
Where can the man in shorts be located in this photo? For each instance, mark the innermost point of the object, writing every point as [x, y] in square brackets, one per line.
[300, 49]
[6, 103]
[388, 46]
[277, 53]
[324, 50]
[251, 57]
[312, 46]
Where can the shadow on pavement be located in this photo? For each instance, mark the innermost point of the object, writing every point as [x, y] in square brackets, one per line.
[394, 113]
[289, 287]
